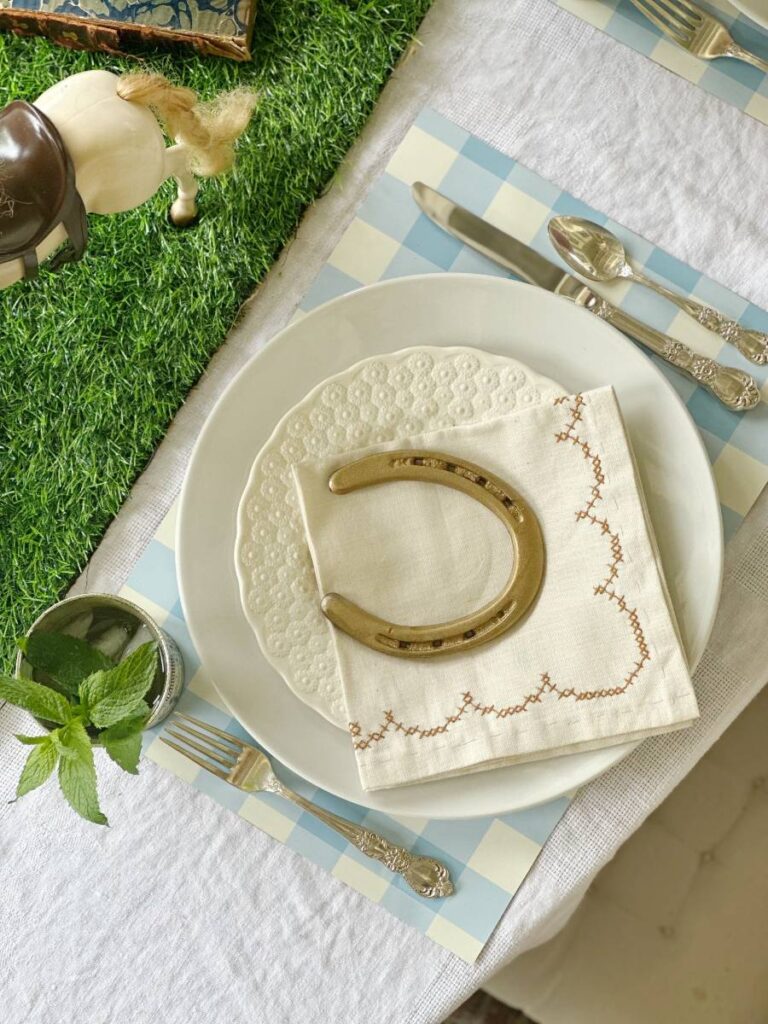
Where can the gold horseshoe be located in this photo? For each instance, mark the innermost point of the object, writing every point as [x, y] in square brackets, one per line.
[471, 630]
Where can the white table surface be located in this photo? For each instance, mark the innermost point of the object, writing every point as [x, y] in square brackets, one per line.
[183, 912]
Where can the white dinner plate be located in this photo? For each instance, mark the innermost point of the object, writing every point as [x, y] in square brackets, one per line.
[757, 10]
[547, 333]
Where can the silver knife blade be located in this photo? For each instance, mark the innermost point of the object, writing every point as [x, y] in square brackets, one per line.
[734, 388]
[489, 240]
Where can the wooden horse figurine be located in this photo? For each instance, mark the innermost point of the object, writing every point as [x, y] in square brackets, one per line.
[93, 144]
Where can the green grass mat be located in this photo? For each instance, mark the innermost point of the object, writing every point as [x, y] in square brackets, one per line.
[95, 360]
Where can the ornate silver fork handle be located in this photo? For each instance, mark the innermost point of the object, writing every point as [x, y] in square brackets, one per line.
[752, 344]
[739, 53]
[425, 875]
[249, 769]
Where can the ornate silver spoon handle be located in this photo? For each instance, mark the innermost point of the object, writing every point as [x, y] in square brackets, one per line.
[425, 875]
[753, 345]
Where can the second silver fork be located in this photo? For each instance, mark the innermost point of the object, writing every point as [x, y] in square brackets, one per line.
[695, 30]
[250, 770]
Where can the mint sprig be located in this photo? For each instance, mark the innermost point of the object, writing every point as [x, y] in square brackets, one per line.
[112, 695]
[92, 701]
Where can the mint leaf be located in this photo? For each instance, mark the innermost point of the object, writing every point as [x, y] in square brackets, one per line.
[67, 659]
[61, 746]
[126, 751]
[77, 774]
[40, 763]
[115, 694]
[38, 699]
[128, 725]
[122, 741]
[29, 740]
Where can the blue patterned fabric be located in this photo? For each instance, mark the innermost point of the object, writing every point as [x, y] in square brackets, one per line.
[206, 17]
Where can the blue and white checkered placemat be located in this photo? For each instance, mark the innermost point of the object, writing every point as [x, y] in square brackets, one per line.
[390, 237]
[744, 86]
[488, 857]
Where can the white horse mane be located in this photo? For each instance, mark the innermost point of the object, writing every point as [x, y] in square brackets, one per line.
[208, 130]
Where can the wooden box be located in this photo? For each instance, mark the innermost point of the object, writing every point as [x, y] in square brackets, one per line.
[219, 27]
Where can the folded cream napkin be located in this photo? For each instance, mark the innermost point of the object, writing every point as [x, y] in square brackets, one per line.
[597, 661]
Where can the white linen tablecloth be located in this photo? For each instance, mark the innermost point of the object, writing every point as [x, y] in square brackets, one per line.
[183, 912]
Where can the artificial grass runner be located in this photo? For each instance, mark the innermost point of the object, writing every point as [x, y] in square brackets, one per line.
[96, 359]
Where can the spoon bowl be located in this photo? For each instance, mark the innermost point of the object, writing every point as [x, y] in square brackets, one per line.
[589, 249]
[592, 251]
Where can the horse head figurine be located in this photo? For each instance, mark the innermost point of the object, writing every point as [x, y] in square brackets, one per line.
[93, 143]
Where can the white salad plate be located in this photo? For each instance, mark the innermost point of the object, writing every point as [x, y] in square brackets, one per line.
[383, 398]
[546, 333]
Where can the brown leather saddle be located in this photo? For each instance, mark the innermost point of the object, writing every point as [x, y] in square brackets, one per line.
[37, 189]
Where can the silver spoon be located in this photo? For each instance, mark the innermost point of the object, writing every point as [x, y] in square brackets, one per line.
[592, 251]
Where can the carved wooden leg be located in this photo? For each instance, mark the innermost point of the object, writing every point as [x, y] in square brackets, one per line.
[75, 224]
[183, 212]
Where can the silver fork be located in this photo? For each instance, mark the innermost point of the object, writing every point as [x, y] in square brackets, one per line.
[695, 30]
[248, 769]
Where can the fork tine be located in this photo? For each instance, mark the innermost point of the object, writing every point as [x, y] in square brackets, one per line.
[670, 10]
[662, 20]
[232, 752]
[692, 12]
[203, 764]
[201, 749]
[212, 728]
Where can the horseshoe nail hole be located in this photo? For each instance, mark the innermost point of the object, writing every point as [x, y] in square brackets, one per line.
[513, 508]
[403, 645]
[469, 634]
[437, 643]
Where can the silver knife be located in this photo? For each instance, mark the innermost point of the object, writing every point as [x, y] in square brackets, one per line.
[734, 388]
